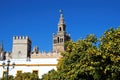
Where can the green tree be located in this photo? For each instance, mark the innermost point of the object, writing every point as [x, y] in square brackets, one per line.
[26, 76]
[51, 75]
[87, 60]
[110, 49]
[10, 77]
[76, 62]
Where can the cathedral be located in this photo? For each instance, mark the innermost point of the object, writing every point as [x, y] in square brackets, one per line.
[34, 61]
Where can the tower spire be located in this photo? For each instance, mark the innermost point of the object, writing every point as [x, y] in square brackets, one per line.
[61, 23]
[1, 46]
[61, 20]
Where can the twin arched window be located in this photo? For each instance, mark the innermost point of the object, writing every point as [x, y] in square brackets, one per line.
[58, 40]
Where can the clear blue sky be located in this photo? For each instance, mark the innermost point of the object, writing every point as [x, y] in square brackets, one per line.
[39, 18]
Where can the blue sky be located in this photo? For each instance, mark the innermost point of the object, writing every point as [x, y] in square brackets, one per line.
[39, 18]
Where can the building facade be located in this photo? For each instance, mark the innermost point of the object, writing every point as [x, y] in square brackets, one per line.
[34, 61]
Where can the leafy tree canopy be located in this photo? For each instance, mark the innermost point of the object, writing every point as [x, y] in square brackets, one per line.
[22, 76]
[26, 76]
[84, 60]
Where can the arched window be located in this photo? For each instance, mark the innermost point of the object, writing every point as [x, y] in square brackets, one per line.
[55, 41]
[64, 28]
[61, 39]
[58, 39]
[60, 29]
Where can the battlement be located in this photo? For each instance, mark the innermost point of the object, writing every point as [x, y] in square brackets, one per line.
[20, 37]
[45, 55]
[21, 47]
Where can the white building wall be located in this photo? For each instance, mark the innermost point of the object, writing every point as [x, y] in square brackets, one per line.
[41, 65]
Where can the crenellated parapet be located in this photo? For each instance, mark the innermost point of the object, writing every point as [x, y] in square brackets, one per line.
[20, 37]
[45, 55]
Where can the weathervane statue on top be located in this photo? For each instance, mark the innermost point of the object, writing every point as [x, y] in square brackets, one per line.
[61, 20]
[61, 11]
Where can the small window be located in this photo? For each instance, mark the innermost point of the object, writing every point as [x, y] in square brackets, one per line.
[61, 40]
[4, 73]
[19, 52]
[35, 72]
[19, 71]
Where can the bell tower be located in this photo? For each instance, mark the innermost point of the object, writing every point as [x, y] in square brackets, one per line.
[61, 37]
